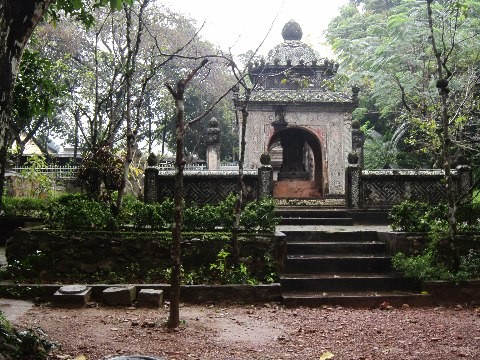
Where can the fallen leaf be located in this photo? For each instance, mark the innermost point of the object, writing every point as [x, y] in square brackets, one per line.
[80, 357]
[326, 355]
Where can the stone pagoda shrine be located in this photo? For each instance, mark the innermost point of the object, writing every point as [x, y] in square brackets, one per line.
[298, 120]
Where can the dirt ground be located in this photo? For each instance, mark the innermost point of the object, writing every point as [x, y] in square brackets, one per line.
[265, 331]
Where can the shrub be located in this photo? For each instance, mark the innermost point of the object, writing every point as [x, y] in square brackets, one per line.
[409, 216]
[222, 272]
[100, 166]
[206, 218]
[147, 216]
[35, 183]
[226, 211]
[77, 212]
[422, 267]
[260, 216]
[441, 262]
[26, 206]
[27, 344]
[413, 216]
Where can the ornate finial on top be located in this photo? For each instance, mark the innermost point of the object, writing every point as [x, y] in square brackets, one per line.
[213, 123]
[292, 31]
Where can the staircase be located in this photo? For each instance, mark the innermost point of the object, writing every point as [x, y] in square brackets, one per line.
[313, 216]
[348, 268]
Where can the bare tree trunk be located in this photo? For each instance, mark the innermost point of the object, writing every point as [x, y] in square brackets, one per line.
[130, 69]
[241, 185]
[448, 249]
[17, 22]
[175, 281]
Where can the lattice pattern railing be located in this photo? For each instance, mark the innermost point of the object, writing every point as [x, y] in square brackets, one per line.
[57, 172]
[386, 188]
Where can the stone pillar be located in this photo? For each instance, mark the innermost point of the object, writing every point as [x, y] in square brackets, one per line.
[464, 183]
[265, 177]
[150, 192]
[213, 145]
[352, 186]
[358, 139]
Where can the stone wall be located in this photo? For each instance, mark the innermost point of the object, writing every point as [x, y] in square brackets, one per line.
[53, 255]
[382, 189]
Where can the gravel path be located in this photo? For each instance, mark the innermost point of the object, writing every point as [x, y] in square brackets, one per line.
[266, 331]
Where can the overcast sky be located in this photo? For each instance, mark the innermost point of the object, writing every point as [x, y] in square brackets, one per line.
[243, 24]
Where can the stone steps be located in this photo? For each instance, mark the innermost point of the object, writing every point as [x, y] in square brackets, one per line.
[335, 282]
[350, 247]
[313, 216]
[358, 299]
[329, 263]
[343, 268]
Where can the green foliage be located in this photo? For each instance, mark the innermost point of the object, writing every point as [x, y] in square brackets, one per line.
[152, 216]
[26, 344]
[101, 166]
[25, 269]
[385, 48]
[26, 206]
[431, 264]
[441, 259]
[415, 216]
[226, 210]
[409, 216]
[82, 10]
[271, 273]
[422, 267]
[37, 89]
[204, 218]
[259, 216]
[40, 185]
[78, 212]
[222, 272]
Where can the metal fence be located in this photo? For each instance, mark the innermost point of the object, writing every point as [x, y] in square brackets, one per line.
[56, 172]
[197, 166]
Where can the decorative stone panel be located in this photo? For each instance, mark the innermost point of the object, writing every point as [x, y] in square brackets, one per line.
[265, 181]
[206, 187]
[386, 188]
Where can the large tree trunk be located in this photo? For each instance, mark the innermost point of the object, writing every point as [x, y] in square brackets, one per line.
[17, 22]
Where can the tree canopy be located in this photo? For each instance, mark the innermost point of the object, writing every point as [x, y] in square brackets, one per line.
[167, 44]
[385, 48]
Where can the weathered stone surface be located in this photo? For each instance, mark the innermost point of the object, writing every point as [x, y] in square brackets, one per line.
[72, 289]
[265, 181]
[119, 295]
[106, 252]
[151, 298]
[72, 296]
